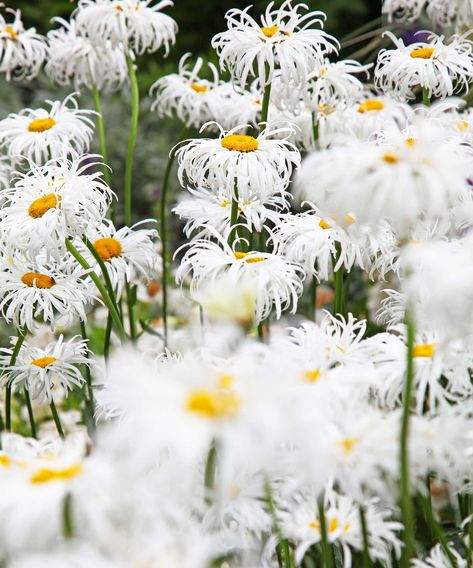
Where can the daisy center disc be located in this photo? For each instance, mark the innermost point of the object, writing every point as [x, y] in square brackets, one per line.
[43, 362]
[240, 143]
[108, 248]
[426, 350]
[423, 53]
[371, 105]
[37, 280]
[199, 88]
[43, 204]
[270, 31]
[324, 225]
[390, 158]
[213, 404]
[11, 32]
[311, 375]
[45, 474]
[250, 260]
[41, 124]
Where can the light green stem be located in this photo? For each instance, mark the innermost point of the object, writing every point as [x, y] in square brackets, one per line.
[366, 544]
[135, 107]
[326, 548]
[265, 105]
[425, 96]
[90, 404]
[56, 419]
[233, 216]
[338, 307]
[8, 391]
[30, 413]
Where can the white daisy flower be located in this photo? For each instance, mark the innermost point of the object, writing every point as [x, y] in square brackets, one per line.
[400, 10]
[257, 167]
[75, 59]
[47, 291]
[127, 252]
[438, 559]
[285, 39]
[38, 370]
[61, 199]
[278, 282]
[41, 134]
[22, 52]
[134, 24]
[440, 68]
[447, 12]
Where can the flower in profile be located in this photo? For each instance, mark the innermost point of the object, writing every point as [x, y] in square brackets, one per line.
[442, 69]
[39, 370]
[50, 203]
[41, 134]
[22, 52]
[284, 39]
[44, 290]
[246, 166]
[78, 60]
[133, 24]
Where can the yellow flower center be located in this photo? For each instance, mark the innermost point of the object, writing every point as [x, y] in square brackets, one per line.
[199, 88]
[39, 206]
[108, 248]
[332, 526]
[350, 219]
[240, 143]
[226, 381]
[11, 32]
[348, 444]
[422, 53]
[41, 124]
[213, 403]
[426, 350]
[43, 362]
[370, 105]
[45, 474]
[311, 375]
[35, 279]
[251, 260]
[461, 125]
[4, 460]
[270, 31]
[410, 142]
[324, 225]
[390, 158]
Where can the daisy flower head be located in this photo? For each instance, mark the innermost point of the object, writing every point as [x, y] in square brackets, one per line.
[442, 69]
[40, 134]
[44, 290]
[446, 13]
[278, 283]
[437, 558]
[78, 60]
[242, 164]
[126, 252]
[22, 52]
[139, 25]
[39, 370]
[401, 10]
[286, 38]
[50, 203]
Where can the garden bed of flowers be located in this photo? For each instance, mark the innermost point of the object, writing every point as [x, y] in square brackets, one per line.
[273, 366]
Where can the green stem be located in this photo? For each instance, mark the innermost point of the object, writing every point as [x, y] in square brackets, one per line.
[425, 96]
[67, 524]
[338, 307]
[102, 289]
[131, 314]
[406, 501]
[438, 532]
[30, 413]
[470, 538]
[265, 105]
[88, 379]
[326, 549]
[108, 334]
[8, 391]
[315, 128]
[284, 552]
[234, 216]
[366, 544]
[312, 309]
[135, 107]
[210, 473]
[56, 419]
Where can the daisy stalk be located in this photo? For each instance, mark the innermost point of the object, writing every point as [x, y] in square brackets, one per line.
[135, 107]
[56, 419]
[8, 391]
[284, 553]
[437, 530]
[326, 549]
[88, 378]
[233, 216]
[339, 303]
[30, 413]
[425, 96]
[366, 545]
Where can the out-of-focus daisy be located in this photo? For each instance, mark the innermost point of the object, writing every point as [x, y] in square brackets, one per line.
[285, 39]
[126, 252]
[22, 52]
[438, 559]
[46, 291]
[41, 134]
[75, 59]
[255, 166]
[278, 282]
[38, 370]
[403, 9]
[441, 68]
[134, 24]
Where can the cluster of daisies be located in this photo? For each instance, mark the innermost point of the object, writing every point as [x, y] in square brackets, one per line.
[194, 405]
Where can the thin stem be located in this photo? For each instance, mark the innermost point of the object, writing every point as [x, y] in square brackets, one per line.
[56, 419]
[130, 292]
[88, 379]
[406, 501]
[312, 309]
[102, 289]
[326, 550]
[210, 473]
[425, 96]
[284, 552]
[135, 107]
[234, 215]
[265, 105]
[108, 334]
[438, 532]
[366, 544]
[315, 128]
[8, 391]
[30, 413]
[470, 537]
[67, 524]
[338, 307]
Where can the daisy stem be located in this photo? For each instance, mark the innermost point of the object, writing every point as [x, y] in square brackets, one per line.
[234, 216]
[326, 550]
[366, 545]
[406, 502]
[67, 524]
[56, 419]
[102, 289]
[283, 550]
[311, 312]
[135, 107]
[30, 413]
[470, 537]
[88, 379]
[425, 96]
[8, 390]
[108, 334]
[130, 294]
[315, 127]
[210, 473]
[265, 105]
[438, 532]
[338, 307]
